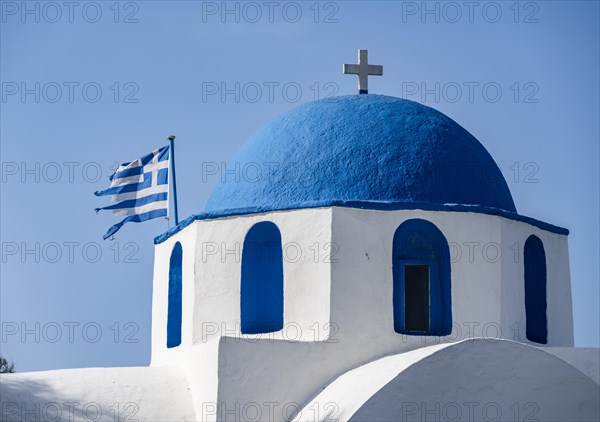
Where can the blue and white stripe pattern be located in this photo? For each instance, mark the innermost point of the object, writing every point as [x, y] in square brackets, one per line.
[139, 189]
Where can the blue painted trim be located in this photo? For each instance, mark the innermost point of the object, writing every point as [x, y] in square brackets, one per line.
[363, 91]
[261, 291]
[420, 241]
[174, 311]
[534, 259]
[369, 205]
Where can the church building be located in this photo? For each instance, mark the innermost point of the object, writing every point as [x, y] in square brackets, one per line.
[365, 261]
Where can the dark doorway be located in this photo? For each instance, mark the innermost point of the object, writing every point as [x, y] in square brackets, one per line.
[416, 297]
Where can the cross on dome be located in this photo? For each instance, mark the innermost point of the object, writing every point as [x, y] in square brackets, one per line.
[363, 69]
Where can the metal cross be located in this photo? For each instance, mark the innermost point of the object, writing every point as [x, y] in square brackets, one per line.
[363, 69]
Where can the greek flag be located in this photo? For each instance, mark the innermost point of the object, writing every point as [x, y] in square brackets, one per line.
[139, 189]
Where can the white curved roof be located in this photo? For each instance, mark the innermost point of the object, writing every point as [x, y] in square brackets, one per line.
[494, 375]
[103, 394]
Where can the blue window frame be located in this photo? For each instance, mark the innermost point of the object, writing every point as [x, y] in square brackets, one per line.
[261, 301]
[536, 325]
[175, 297]
[422, 299]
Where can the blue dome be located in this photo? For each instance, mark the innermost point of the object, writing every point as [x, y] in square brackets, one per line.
[366, 148]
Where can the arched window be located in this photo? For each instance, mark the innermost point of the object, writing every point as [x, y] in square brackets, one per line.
[421, 271]
[262, 280]
[174, 309]
[536, 327]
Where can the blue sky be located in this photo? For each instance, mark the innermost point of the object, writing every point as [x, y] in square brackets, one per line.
[115, 81]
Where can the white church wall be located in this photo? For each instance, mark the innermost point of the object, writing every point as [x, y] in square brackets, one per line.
[362, 279]
[560, 301]
[305, 234]
[355, 246]
[338, 315]
[513, 286]
[278, 377]
[160, 295]
[286, 372]
[558, 286]
[487, 276]
[362, 307]
[201, 362]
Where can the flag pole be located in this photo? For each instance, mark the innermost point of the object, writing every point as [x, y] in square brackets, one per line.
[172, 159]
